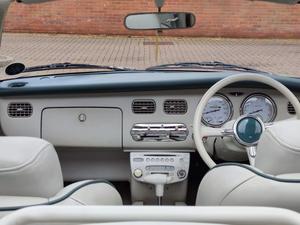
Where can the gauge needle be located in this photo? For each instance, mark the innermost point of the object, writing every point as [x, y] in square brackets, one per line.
[212, 111]
[259, 110]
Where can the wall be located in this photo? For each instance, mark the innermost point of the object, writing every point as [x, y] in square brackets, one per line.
[215, 18]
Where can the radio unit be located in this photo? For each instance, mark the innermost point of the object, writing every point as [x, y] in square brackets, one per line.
[174, 165]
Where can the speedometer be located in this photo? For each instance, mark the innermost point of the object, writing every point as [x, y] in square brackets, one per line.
[259, 105]
[217, 111]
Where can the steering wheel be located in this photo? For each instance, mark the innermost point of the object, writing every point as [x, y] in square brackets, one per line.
[246, 130]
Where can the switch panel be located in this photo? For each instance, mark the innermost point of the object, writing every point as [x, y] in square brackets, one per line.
[175, 165]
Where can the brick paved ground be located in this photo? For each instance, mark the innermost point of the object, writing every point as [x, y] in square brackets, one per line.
[278, 56]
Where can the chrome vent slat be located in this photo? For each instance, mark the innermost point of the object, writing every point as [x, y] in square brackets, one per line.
[19, 110]
[159, 132]
[178, 106]
[143, 106]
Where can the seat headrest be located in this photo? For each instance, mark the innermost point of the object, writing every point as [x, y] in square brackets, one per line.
[29, 167]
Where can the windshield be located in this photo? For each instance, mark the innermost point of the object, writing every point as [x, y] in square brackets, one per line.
[259, 35]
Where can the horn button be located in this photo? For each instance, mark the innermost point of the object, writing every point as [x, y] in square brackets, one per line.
[248, 130]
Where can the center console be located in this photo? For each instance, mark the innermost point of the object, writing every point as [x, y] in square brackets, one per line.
[174, 165]
[159, 169]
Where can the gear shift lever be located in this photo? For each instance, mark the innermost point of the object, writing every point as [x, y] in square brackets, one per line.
[159, 181]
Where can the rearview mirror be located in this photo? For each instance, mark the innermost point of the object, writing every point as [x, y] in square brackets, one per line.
[159, 21]
[283, 1]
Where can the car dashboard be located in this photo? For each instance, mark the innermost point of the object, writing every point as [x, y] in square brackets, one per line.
[109, 120]
[112, 125]
[73, 111]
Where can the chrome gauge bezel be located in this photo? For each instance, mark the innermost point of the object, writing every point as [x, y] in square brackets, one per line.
[274, 106]
[230, 116]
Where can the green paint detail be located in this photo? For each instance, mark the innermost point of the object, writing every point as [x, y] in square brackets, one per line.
[109, 82]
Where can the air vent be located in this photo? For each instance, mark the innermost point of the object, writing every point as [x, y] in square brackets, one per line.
[175, 107]
[19, 110]
[143, 106]
[291, 109]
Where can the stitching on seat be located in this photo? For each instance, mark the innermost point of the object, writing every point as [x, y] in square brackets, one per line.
[75, 200]
[245, 181]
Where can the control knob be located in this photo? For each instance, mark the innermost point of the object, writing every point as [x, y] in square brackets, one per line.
[181, 174]
[138, 173]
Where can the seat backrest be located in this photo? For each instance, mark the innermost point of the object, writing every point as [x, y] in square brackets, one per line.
[29, 167]
[278, 151]
[242, 185]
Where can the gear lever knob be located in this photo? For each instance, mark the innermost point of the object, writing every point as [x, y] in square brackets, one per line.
[159, 180]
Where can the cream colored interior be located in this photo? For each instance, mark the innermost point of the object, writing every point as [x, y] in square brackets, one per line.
[273, 177]
[41, 104]
[91, 150]
[149, 215]
[56, 165]
[200, 131]
[30, 174]
[100, 147]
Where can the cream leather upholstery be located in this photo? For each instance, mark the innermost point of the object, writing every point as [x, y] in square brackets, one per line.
[30, 174]
[93, 192]
[274, 181]
[278, 151]
[242, 185]
[89, 192]
[29, 167]
[151, 215]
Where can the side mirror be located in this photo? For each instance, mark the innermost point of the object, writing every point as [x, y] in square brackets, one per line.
[159, 21]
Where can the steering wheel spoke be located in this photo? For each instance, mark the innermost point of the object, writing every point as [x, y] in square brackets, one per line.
[251, 152]
[270, 124]
[216, 132]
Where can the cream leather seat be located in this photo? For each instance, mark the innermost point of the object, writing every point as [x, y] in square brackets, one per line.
[30, 174]
[242, 185]
[273, 182]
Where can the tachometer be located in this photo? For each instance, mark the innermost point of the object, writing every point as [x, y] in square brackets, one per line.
[217, 111]
[259, 105]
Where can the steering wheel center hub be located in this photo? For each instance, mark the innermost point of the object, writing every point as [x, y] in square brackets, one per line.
[247, 130]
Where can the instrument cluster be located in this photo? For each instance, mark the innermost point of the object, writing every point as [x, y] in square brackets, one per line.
[219, 109]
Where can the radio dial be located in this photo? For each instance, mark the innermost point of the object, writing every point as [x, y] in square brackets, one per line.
[181, 174]
[138, 173]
